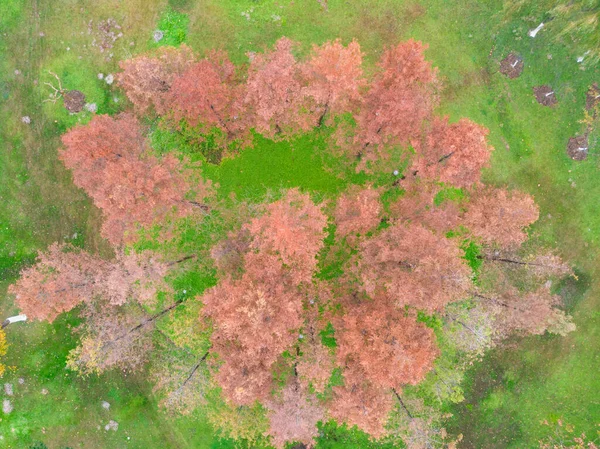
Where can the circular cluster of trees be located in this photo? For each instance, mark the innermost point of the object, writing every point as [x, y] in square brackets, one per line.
[428, 263]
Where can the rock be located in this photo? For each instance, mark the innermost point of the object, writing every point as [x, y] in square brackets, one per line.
[26, 119]
[8, 389]
[91, 107]
[112, 425]
[158, 36]
[512, 65]
[109, 79]
[105, 405]
[545, 95]
[21, 381]
[100, 76]
[7, 406]
[74, 101]
[44, 391]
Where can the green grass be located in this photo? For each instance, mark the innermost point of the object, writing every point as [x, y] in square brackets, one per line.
[507, 396]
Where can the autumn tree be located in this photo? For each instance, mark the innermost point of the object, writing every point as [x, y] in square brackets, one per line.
[254, 321]
[108, 160]
[208, 94]
[400, 99]
[293, 229]
[333, 77]
[391, 349]
[147, 79]
[414, 266]
[65, 276]
[452, 153]
[275, 95]
[293, 416]
[361, 403]
[358, 211]
[500, 216]
[112, 337]
[257, 316]
[418, 205]
[61, 279]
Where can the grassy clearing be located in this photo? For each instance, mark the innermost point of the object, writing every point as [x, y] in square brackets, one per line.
[507, 396]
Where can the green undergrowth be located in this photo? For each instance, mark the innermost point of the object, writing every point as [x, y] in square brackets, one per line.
[506, 397]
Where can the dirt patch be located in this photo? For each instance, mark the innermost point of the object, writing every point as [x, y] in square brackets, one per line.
[74, 101]
[577, 148]
[512, 65]
[592, 98]
[545, 95]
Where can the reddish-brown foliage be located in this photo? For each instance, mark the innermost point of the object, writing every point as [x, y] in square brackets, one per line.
[146, 80]
[392, 349]
[254, 321]
[360, 403]
[275, 95]
[65, 276]
[207, 93]
[132, 275]
[334, 76]
[61, 279]
[112, 337]
[417, 206]
[453, 153]
[294, 416]
[499, 216]
[401, 97]
[292, 228]
[357, 211]
[108, 162]
[414, 267]
[530, 313]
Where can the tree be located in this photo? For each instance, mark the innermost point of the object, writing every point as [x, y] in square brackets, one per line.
[108, 160]
[208, 94]
[65, 276]
[62, 278]
[334, 77]
[417, 205]
[401, 98]
[294, 416]
[254, 321]
[293, 229]
[112, 337]
[414, 267]
[357, 211]
[360, 403]
[133, 275]
[146, 80]
[452, 153]
[391, 349]
[499, 216]
[275, 95]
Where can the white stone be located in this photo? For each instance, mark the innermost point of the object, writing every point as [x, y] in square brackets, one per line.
[91, 107]
[26, 119]
[534, 32]
[100, 76]
[105, 405]
[158, 36]
[8, 389]
[7, 406]
[109, 78]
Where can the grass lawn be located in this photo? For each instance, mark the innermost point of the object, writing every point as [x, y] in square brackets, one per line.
[513, 390]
